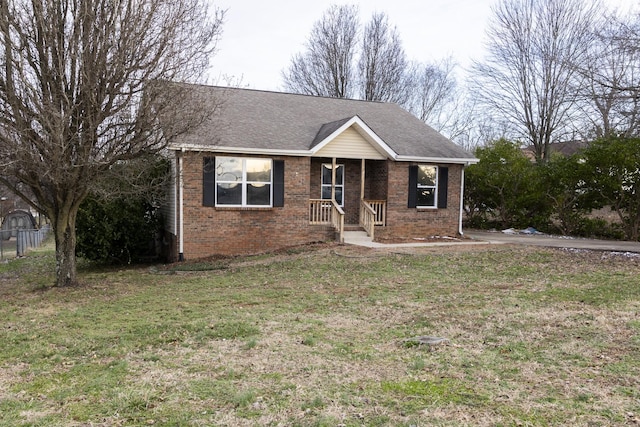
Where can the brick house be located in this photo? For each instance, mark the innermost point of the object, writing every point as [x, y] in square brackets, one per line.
[271, 170]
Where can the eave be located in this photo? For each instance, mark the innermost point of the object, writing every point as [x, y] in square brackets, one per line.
[449, 160]
[238, 150]
[310, 153]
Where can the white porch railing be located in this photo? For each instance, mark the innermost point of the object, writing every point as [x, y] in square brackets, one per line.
[367, 218]
[380, 208]
[372, 213]
[327, 212]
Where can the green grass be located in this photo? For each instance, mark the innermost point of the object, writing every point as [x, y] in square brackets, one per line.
[316, 336]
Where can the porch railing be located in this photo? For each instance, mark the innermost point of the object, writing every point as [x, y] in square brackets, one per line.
[380, 208]
[367, 218]
[327, 212]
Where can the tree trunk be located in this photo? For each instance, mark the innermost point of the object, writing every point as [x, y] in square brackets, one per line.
[65, 234]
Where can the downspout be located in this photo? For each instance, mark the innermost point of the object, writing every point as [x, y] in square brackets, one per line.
[180, 207]
[461, 200]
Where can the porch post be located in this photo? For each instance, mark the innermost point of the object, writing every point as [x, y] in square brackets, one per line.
[333, 179]
[362, 179]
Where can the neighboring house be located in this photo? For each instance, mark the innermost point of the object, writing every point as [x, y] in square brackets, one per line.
[11, 203]
[271, 170]
[567, 149]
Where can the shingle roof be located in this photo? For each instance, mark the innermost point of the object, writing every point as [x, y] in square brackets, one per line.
[566, 148]
[262, 121]
[327, 129]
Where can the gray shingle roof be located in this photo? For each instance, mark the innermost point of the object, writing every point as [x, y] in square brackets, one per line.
[261, 120]
[327, 129]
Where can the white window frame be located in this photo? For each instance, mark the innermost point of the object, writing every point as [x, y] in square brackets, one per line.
[323, 184]
[435, 188]
[244, 183]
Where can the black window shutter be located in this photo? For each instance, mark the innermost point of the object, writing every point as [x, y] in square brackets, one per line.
[413, 186]
[209, 182]
[443, 184]
[278, 183]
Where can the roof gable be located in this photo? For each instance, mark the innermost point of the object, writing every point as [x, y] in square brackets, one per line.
[350, 139]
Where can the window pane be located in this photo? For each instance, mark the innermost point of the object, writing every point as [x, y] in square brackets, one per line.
[427, 175]
[339, 174]
[326, 174]
[338, 195]
[228, 169]
[426, 197]
[229, 194]
[326, 192]
[258, 170]
[258, 194]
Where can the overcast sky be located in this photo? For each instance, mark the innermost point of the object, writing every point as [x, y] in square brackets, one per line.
[260, 36]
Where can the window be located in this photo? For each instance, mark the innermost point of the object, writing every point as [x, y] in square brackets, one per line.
[243, 181]
[326, 183]
[427, 186]
[244, 184]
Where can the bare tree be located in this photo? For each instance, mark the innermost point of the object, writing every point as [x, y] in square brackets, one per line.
[434, 87]
[383, 72]
[339, 63]
[383, 63]
[610, 88]
[438, 100]
[81, 90]
[327, 67]
[527, 75]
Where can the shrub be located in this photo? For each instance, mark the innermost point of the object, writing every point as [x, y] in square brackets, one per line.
[598, 228]
[117, 231]
[120, 221]
[613, 175]
[505, 188]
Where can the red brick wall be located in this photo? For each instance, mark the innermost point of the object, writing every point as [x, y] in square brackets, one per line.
[376, 180]
[352, 177]
[232, 231]
[212, 231]
[315, 181]
[407, 223]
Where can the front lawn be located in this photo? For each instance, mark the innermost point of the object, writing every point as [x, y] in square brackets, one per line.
[318, 337]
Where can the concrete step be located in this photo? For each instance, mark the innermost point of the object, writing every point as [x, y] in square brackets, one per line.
[357, 238]
[353, 227]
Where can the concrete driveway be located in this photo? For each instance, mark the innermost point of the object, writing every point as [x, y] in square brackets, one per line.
[553, 241]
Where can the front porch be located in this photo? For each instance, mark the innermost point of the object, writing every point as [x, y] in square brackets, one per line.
[350, 192]
[328, 212]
